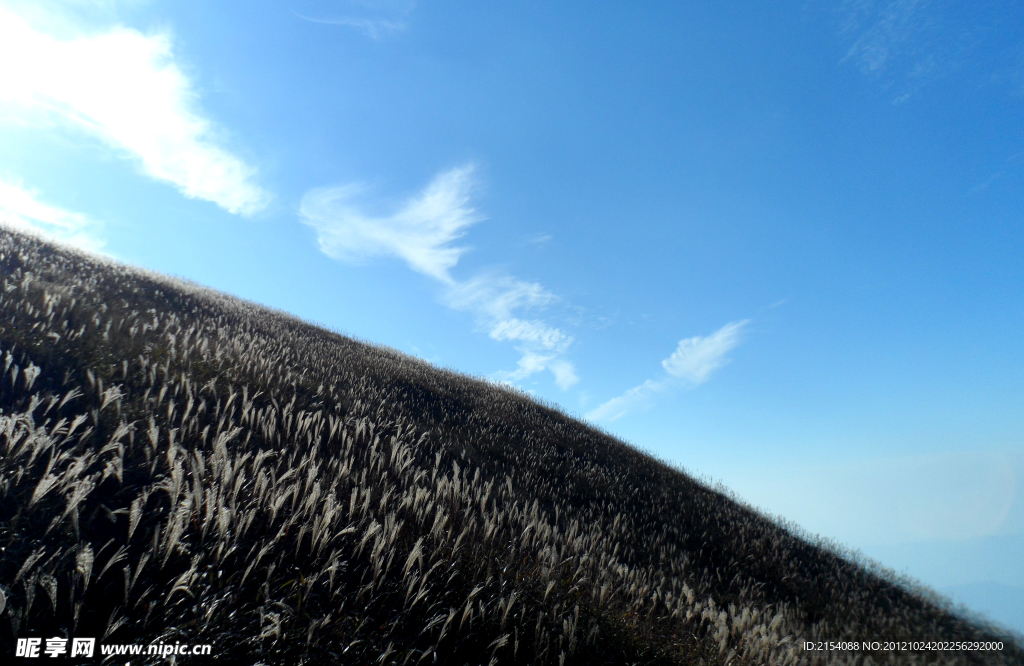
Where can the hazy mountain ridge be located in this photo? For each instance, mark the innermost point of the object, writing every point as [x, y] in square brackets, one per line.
[189, 466]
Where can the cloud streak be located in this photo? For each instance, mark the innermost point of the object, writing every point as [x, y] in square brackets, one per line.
[374, 18]
[372, 28]
[126, 89]
[693, 362]
[422, 232]
[22, 209]
[634, 398]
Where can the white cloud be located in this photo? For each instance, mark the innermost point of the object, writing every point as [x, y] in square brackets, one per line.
[21, 209]
[126, 89]
[534, 332]
[531, 363]
[693, 361]
[497, 295]
[421, 232]
[542, 348]
[697, 357]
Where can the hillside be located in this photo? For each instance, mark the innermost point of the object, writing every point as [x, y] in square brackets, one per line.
[181, 466]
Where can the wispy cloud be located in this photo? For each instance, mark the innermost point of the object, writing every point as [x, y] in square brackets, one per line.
[909, 44]
[422, 233]
[125, 88]
[374, 18]
[696, 358]
[497, 295]
[631, 400]
[495, 298]
[693, 362]
[21, 209]
[883, 33]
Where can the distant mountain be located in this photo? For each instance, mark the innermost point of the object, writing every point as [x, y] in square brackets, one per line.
[181, 467]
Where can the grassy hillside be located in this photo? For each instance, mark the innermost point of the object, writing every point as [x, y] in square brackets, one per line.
[177, 465]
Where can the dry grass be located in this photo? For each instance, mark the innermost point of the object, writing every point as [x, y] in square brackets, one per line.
[177, 465]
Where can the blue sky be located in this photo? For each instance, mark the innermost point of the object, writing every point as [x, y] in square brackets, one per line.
[779, 244]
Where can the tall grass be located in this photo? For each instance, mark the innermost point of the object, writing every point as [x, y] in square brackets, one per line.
[178, 465]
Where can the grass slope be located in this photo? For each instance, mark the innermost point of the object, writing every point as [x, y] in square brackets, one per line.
[178, 465]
